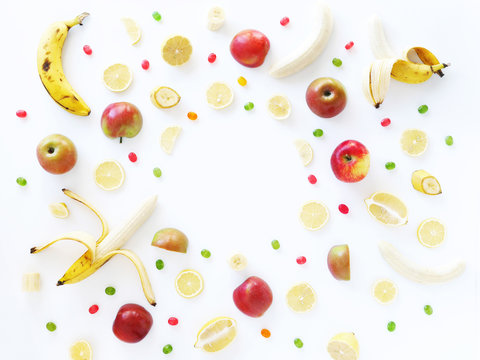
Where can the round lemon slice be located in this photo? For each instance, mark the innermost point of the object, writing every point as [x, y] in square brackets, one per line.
[304, 150]
[314, 215]
[189, 283]
[387, 209]
[219, 95]
[117, 77]
[301, 298]
[216, 334]
[81, 350]
[279, 107]
[384, 291]
[414, 142]
[164, 97]
[168, 138]
[109, 175]
[133, 30]
[343, 346]
[176, 50]
[431, 233]
[59, 210]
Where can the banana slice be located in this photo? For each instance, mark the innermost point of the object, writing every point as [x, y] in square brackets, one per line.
[425, 183]
[215, 18]
[31, 282]
[237, 262]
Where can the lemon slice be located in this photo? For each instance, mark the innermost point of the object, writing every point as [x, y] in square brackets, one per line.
[301, 298]
[168, 138]
[304, 150]
[216, 334]
[384, 291]
[81, 350]
[343, 346]
[425, 183]
[189, 283]
[109, 175]
[176, 50]
[219, 95]
[133, 30]
[387, 209]
[59, 210]
[314, 215]
[431, 233]
[279, 107]
[414, 142]
[117, 77]
[164, 97]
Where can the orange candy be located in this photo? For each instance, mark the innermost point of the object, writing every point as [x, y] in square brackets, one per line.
[265, 333]
[192, 116]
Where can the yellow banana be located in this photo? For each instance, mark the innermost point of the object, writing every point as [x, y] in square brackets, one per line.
[108, 245]
[412, 73]
[50, 69]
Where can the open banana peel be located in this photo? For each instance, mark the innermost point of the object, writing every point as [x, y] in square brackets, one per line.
[109, 244]
[416, 66]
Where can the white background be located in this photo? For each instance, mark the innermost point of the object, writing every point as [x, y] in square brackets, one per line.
[234, 182]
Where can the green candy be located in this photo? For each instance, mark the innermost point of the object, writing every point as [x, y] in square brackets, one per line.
[157, 172]
[275, 244]
[391, 326]
[159, 264]
[422, 109]
[248, 106]
[21, 181]
[448, 141]
[318, 132]
[51, 326]
[110, 290]
[337, 62]
[167, 349]
[206, 253]
[428, 309]
[298, 343]
[157, 16]
[390, 165]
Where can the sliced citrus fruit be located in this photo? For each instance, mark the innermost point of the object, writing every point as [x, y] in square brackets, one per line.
[431, 233]
[189, 283]
[219, 95]
[304, 150]
[117, 77]
[314, 215]
[109, 175]
[168, 138]
[343, 346]
[425, 183]
[176, 50]
[387, 208]
[414, 142]
[384, 291]
[59, 210]
[133, 30]
[301, 298]
[279, 107]
[81, 350]
[164, 97]
[216, 334]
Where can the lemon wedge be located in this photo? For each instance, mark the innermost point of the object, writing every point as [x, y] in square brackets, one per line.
[431, 233]
[133, 30]
[59, 210]
[301, 298]
[109, 175]
[384, 291]
[304, 150]
[176, 50]
[219, 95]
[117, 77]
[189, 283]
[216, 334]
[168, 138]
[387, 209]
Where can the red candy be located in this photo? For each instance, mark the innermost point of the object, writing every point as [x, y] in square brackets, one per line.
[385, 122]
[349, 45]
[211, 58]
[132, 157]
[145, 64]
[284, 21]
[173, 321]
[301, 260]
[343, 208]
[93, 309]
[21, 113]
[312, 179]
[87, 50]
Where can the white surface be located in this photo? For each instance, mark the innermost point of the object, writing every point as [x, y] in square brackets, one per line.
[234, 182]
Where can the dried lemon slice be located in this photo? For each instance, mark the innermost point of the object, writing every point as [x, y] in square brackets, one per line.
[164, 97]
[279, 107]
[301, 298]
[216, 334]
[219, 95]
[431, 233]
[189, 283]
[414, 142]
[387, 209]
[384, 291]
[109, 175]
[117, 77]
[314, 215]
[168, 138]
[304, 150]
[133, 30]
[176, 50]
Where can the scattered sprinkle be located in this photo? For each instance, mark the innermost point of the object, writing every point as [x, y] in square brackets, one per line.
[248, 106]
[21, 181]
[132, 157]
[157, 172]
[159, 264]
[390, 165]
[337, 62]
[349, 45]
[265, 333]
[206, 253]
[145, 64]
[312, 179]
[428, 309]
[385, 122]
[51, 326]
[318, 132]
[87, 49]
[172, 321]
[449, 140]
[167, 349]
[110, 290]
[93, 309]
[156, 16]
[343, 208]
[192, 116]
[298, 343]
[21, 113]
[422, 109]
[284, 21]
[242, 81]
[211, 58]
[391, 326]
[301, 260]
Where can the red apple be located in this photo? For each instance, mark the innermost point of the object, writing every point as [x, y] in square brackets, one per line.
[121, 119]
[350, 161]
[171, 239]
[249, 48]
[253, 297]
[132, 323]
[57, 154]
[326, 97]
[338, 261]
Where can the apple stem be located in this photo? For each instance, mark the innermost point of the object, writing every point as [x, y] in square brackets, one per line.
[121, 139]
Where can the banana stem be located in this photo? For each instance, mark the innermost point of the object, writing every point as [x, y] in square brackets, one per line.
[437, 69]
[77, 21]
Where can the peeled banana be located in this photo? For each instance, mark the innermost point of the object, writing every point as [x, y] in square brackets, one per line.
[108, 245]
[215, 18]
[50, 69]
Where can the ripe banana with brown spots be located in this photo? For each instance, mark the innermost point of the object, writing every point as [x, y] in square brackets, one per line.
[50, 69]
